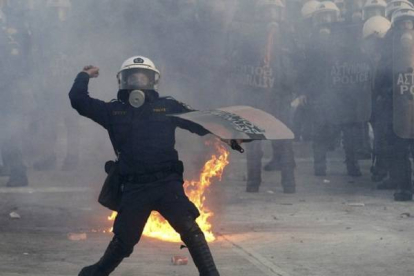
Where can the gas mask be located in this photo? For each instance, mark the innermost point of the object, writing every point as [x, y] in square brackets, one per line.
[136, 98]
[357, 17]
[407, 40]
[138, 81]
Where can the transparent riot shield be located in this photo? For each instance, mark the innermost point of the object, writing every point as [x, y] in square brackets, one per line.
[348, 79]
[259, 67]
[403, 84]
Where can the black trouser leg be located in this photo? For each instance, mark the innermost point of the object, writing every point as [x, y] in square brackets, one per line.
[349, 134]
[112, 257]
[323, 141]
[254, 154]
[13, 161]
[401, 169]
[73, 143]
[319, 158]
[181, 214]
[128, 228]
[287, 162]
[275, 162]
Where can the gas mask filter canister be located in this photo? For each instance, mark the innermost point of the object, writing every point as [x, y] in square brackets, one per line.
[136, 98]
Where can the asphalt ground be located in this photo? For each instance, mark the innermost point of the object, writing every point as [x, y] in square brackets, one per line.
[334, 225]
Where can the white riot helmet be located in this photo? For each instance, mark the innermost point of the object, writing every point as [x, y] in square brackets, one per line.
[396, 5]
[62, 7]
[309, 8]
[327, 12]
[138, 72]
[376, 26]
[271, 10]
[373, 8]
[402, 15]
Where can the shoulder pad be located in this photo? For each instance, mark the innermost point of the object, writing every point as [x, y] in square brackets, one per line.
[181, 104]
[168, 98]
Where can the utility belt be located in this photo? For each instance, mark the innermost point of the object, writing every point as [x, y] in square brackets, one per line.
[157, 172]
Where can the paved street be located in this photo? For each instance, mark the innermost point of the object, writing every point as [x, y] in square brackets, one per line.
[334, 225]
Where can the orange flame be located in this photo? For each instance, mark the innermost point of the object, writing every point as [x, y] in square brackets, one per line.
[157, 227]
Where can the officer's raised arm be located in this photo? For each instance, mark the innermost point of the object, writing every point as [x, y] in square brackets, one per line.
[94, 109]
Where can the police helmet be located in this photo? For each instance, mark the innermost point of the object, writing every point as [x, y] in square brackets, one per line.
[395, 5]
[376, 26]
[373, 8]
[327, 12]
[263, 7]
[309, 8]
[402, 15]
[138, 72]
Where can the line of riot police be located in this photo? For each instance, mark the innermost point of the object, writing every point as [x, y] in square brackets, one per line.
[341, 74]
[328, 69]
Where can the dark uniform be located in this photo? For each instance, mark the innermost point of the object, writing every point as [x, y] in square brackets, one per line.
[14, 46]
[262, 76]
[151, 170]
[339, 91]
[397, 147]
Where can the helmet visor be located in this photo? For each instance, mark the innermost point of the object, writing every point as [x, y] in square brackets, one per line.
[272, 13]
[323, 18]
[138, 78]
[373, 11]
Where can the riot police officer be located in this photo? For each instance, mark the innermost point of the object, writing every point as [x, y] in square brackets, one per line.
[144, 137]
[338, 88]
[374, 31]
[55, 61]
[262, 76]
[395, 80]
[15, 65]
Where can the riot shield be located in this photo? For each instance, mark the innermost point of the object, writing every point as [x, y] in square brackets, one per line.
[240, 122]
[348, 79]
[258, 66]
[403, 84]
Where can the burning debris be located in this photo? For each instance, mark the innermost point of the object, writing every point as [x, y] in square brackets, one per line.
[179, 260]
[157, 227]
[77, 236]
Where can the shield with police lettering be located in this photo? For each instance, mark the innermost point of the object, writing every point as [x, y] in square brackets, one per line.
[348, 79]
[239, 122]
[403, 94]
[259, 66]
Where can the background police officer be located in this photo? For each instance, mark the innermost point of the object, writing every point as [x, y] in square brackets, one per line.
[15, 65]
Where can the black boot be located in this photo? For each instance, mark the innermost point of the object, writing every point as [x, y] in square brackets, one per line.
[254, 179]
[4, 171]
[353, 169]
[273, 165]
[254, 167]
[113, 256]
[200, 252]
[319, 160]
[18, 177]
[288, 181]
[319, 169]
[46, 164]
[387, 184]
[403, 195]
[70, 163]
[17, 181]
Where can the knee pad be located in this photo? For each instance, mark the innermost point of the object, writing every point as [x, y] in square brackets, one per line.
[191, 232]
[119, 248]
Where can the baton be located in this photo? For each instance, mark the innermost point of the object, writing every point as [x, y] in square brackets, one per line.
[235, 146]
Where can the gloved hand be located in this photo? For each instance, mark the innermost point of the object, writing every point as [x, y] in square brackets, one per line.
[91, 70]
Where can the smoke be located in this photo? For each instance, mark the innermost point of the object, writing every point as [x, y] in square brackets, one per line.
[208, 52]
